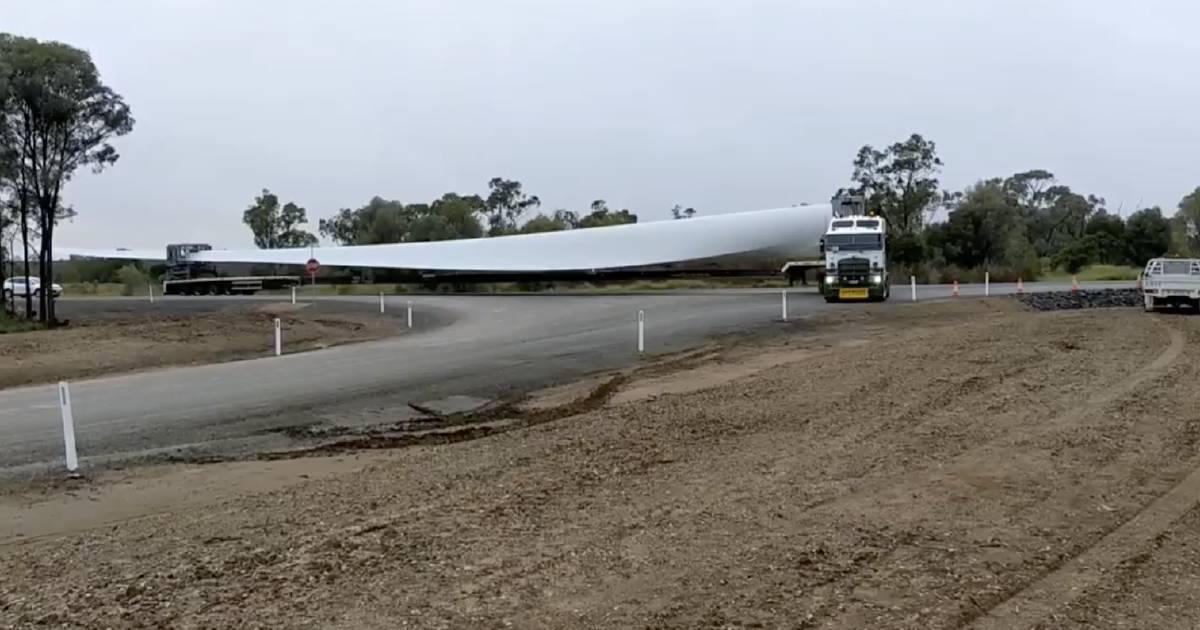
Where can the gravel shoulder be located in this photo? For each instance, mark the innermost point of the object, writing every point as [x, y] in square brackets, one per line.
[934, 466]
[118, 340]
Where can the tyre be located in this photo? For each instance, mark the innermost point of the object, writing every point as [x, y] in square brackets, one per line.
[8, 295]
[831, 299]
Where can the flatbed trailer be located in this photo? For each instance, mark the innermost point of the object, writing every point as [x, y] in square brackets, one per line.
[241, 285]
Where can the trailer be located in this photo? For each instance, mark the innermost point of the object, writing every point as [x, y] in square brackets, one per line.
[187, 277]
[242, 285]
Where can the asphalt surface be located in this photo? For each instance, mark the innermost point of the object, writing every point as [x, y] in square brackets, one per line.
[479, 347]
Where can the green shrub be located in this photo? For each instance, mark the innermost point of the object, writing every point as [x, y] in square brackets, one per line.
[134, 281]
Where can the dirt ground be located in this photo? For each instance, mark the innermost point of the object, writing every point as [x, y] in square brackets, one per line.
[104, 343]
[947, 465]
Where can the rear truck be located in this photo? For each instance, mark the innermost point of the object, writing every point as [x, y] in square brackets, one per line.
[855, 254]
[186, 277]
[1171, 282]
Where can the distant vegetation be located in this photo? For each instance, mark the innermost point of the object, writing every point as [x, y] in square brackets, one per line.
[56, 118]
[1019, 226]
[504, 211]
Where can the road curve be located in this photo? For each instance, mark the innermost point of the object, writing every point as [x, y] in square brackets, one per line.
[496, 344]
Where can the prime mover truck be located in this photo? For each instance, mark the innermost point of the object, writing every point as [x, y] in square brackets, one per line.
[854, 251]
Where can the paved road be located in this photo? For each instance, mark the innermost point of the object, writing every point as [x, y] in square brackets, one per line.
[478, 346]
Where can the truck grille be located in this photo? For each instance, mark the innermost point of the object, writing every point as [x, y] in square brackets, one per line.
[854, 271]
[854, 265]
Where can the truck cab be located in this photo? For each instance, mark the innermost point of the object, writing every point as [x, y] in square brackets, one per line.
[855, 254]
[1171, 282]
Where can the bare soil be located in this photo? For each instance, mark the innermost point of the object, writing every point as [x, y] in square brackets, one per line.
[951, 465]
[105, 343]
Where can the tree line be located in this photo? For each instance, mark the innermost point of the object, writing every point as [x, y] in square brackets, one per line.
[56, 118]
[503, 211]
[1014, 226]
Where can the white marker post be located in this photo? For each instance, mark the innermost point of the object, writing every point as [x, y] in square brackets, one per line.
[278, 337]
[784, 296]
[381, 302]
[68, 421]
[914, 288]
[410, 313]
[641, 332]
[987, 283]
[293, 294]
[151, 287]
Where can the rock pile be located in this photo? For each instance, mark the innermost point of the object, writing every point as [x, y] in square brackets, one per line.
[1066, 300]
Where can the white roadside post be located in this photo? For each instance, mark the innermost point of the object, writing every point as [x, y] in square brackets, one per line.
[293, 294]
[987, 283]
[68, 422]
[278, 337]
[914, 287]
[381, 302]
[151, 287]
[784, 296]
[641, 332]
[410, 313]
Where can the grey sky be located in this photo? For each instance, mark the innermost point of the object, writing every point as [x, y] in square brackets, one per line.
[715, 104]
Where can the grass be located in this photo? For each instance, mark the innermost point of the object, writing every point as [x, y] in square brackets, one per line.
[99, 289]
[1096, 273]
[10, 324]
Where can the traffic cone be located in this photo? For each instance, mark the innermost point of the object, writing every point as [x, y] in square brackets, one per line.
[1020, 287]
[1074, 285]
[956, 288]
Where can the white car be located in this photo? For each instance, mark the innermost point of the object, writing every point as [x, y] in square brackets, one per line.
[20, 287]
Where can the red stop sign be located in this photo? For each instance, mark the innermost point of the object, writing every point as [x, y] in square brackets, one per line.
[312, 265]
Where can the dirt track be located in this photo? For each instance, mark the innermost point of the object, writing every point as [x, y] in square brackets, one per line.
[963, 464]
[109, 342]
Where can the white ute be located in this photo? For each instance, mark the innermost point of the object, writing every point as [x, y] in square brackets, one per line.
[1171, 282]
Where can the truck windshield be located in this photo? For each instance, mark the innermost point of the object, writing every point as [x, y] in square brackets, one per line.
[854, 241]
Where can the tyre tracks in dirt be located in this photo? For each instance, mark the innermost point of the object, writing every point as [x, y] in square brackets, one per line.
[1032, 605]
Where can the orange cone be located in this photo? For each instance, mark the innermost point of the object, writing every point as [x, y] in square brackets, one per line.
[1074, 285]
[956, 288]
[1020, 287]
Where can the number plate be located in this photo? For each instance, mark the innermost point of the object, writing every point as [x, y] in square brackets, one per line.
[853, 294]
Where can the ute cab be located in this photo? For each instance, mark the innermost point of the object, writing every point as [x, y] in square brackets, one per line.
[1171, 282]
[855, 254]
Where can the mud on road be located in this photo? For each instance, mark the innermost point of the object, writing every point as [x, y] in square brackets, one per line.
[113, 336]
[948, 465]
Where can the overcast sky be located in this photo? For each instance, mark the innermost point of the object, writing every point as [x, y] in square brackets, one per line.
[716, 104]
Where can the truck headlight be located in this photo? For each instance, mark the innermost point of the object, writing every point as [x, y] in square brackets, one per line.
[877, 279]
[830, 279]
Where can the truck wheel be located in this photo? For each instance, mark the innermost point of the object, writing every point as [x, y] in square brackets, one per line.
[831, 299]
[1149, 306]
